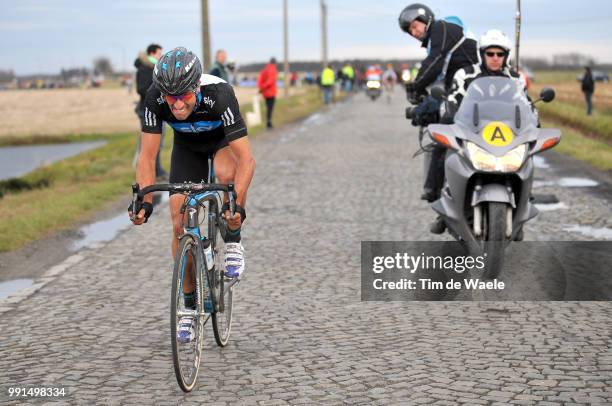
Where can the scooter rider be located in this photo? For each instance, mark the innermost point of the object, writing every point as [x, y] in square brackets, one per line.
[448, 51]
[494, 53]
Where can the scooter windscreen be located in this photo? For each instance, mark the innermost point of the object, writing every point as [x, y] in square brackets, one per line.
[496, 115]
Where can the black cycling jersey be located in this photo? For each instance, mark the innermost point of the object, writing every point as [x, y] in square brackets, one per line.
[216, 115]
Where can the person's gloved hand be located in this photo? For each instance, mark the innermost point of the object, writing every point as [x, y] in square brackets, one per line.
[411, 94]
[143, 212]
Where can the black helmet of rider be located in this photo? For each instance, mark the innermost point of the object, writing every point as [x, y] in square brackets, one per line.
[177, 72]
[416, 11]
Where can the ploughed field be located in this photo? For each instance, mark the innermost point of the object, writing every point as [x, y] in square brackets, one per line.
[568, 89]
[49, 112]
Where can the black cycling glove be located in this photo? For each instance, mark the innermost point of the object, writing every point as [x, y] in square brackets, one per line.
[148, 208]
[239, 210]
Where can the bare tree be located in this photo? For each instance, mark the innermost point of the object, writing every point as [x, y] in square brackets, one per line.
[6, 76]
[573, 60]
[103, 65]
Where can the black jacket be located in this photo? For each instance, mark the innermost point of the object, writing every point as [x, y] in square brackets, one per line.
[442, 37]
[144, 75]
[588, 85]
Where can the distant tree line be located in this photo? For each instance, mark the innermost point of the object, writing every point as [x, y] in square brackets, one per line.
[570, 61]
[6, 76]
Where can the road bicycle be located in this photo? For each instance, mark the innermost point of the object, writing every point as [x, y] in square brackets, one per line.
[201, 249]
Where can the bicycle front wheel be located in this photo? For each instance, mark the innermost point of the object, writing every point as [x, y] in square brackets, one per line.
[186, 354]
[224, 294]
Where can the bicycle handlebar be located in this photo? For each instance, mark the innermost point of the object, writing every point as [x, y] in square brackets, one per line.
[139, 194]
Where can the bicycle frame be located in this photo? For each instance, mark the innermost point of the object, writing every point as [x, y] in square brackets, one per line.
[212, 203]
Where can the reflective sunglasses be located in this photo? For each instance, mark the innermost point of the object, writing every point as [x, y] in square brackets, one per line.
[188, 98]
[491, 54]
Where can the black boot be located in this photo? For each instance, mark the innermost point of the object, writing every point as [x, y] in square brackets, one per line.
[438, 226]
[428, 195]
[519, 235]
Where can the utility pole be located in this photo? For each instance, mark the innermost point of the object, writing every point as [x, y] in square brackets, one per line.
[323, 33]
[205, 37]
[517, 39]
[286, 32]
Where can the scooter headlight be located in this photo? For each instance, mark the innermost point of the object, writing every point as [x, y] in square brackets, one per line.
[373, 84]
[484, 161]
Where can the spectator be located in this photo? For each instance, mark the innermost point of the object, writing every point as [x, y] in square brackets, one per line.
[266, 82]
[328, 79]
[231, 73]
[218, 69]
[144, 77]
[293, 78]
[348, 73]
[588, 88]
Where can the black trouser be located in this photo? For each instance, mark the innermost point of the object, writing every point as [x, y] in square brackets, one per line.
[435, 173]
[269, 109]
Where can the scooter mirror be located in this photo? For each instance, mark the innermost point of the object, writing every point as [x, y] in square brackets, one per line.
[437, 92]
[547, 94]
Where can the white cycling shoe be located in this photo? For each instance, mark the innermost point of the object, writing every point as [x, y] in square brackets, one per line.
[186, 329]
[234, 259]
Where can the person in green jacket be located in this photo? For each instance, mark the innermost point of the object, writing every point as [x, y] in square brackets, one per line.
[349, 77]
[218, 69]
[328, 79]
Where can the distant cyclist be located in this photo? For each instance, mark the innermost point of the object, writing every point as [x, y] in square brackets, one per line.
[389, 78]
[204, 113]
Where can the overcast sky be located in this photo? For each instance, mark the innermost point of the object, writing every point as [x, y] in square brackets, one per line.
[44, 36]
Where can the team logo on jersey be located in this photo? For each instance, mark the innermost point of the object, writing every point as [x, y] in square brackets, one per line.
[497, 134]
[208, 101]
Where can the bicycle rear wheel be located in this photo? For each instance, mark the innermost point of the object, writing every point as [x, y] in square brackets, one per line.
[223, 292]
[186, 356]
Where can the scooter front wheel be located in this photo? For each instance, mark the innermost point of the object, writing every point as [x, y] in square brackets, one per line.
[494, 244]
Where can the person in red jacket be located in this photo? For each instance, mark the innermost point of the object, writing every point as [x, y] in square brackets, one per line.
[266, 82]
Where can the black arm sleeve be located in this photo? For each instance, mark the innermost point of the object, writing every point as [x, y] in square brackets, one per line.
[433, 64]
[228, 111]
[151, 120]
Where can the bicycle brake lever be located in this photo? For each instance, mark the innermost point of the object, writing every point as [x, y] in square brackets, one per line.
[135, 190]
[232, 201]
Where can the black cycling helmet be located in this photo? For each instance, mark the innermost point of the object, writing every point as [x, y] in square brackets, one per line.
[177, 72]
[416, 11]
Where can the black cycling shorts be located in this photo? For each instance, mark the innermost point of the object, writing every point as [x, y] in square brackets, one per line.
[189, 161]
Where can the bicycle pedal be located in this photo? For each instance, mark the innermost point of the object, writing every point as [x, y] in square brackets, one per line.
[232, 281]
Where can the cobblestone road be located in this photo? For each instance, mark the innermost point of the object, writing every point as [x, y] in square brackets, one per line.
[99, 323]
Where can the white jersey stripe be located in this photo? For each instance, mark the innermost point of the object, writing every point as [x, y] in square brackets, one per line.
[231, 115]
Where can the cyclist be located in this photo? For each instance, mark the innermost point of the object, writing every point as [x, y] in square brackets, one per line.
[389, 78]
[204, 113]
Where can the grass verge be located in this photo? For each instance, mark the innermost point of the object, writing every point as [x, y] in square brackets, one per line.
[289, 110]
[597, 125]
[595, 152]
[82, 185]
